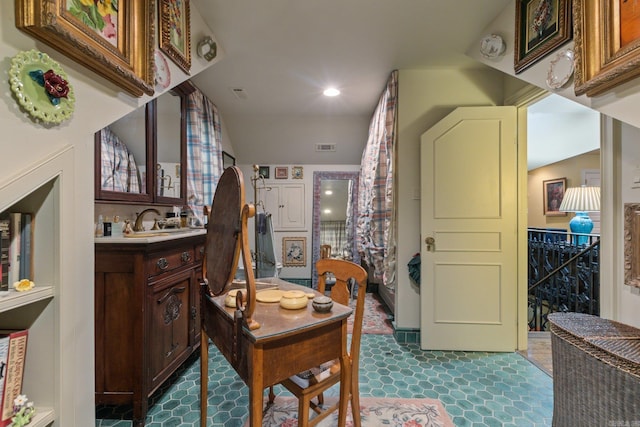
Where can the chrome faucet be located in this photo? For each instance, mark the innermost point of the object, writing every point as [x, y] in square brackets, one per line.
[137, 226]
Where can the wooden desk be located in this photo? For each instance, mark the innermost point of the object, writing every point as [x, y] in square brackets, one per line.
[287, 342]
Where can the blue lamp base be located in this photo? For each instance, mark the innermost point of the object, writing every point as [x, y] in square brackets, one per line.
[581, 224]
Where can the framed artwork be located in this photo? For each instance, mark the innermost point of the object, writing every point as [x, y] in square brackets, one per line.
[553, 192]
[296, 172]
[227, 160]
[264, 171]
[607, 45]
[632, 244]
[175, 31]
[294, 251]
[115, 43]
[282, 172]
[541, 27]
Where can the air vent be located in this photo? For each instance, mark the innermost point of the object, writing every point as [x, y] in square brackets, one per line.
[325, 147]
[239, 92]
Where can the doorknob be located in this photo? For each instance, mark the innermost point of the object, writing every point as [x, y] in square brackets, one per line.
[430, 242]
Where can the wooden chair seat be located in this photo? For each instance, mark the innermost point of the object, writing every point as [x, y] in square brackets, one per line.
[346, 274]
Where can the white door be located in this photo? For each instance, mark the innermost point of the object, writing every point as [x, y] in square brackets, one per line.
[469, 210]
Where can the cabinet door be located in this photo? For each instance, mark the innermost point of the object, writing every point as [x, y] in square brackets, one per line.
[292, 206]
[286, 203]
[170, 312]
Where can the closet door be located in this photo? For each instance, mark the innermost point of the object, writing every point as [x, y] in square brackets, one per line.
[286, 204]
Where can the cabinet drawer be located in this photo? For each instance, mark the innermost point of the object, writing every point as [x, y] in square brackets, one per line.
[162, 263]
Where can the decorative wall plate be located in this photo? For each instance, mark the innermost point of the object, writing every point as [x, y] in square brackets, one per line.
[560, 69]
[161, 69]
[492, 46]
[207, 48]
[29, 80]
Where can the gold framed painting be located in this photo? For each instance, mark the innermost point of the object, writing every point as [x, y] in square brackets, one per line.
[175, 31]
[114, 42]
[632, 244]
[541, 27]
[607, 45]
[552, 195]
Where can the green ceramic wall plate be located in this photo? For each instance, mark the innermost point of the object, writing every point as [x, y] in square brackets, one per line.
[30, 92]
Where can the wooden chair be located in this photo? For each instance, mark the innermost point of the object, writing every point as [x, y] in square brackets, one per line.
[325, 251]
[347, 274]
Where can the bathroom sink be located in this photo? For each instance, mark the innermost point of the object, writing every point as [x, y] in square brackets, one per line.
[160, 233]
[140, 234]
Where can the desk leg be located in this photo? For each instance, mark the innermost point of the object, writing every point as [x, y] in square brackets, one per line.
[256, 386]
[204, 377]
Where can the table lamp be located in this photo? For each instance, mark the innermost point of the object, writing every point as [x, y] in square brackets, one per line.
[581, 200]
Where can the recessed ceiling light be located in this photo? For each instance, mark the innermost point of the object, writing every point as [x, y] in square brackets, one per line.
[328, 192]
[331, 92]
[327, 211]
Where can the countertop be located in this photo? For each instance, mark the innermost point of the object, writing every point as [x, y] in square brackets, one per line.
[153, 236]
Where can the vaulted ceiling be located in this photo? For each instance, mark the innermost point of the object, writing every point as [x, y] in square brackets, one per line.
[277, 56]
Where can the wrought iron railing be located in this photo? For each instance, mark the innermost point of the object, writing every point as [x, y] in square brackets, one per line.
[564, 274]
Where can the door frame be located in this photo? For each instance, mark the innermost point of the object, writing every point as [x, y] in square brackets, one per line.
[521, 100]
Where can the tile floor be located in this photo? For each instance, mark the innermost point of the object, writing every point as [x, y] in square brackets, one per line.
[477, 389]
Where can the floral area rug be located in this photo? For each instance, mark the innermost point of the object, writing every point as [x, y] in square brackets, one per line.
[377, 317]
[374, 412]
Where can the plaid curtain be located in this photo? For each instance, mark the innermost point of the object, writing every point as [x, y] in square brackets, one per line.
[204, 152]
[376, 212]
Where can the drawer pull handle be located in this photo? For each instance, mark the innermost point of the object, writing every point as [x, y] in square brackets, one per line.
[162, 263]
[186, 257]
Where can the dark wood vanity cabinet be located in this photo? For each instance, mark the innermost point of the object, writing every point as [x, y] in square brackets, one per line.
[147, 316]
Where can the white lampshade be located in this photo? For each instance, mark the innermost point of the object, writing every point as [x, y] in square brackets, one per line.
[581, 199]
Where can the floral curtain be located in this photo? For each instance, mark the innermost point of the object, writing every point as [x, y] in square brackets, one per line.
[376, 211]
[204, 152]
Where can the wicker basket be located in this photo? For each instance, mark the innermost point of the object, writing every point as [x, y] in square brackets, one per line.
[596, 371]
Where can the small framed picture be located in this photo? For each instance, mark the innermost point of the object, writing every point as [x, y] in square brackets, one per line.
[282, 172]
[553, 193]
[263, 171]
[227, 160]
[294, 251]
[296, 172]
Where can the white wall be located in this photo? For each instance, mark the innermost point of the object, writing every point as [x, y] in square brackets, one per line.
[25, 142]
[425, 97]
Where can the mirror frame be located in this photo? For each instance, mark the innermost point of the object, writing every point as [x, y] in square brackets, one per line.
[318, 176]
[182, 91]
[115, 196]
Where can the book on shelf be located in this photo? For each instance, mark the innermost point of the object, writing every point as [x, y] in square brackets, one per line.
[5, 240]
[26, 241]
[15, 230]
[314, 375]
[14, 371]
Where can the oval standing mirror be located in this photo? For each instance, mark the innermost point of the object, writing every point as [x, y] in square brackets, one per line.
[335, 209]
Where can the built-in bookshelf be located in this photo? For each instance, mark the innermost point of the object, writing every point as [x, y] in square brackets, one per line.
[43, 191]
